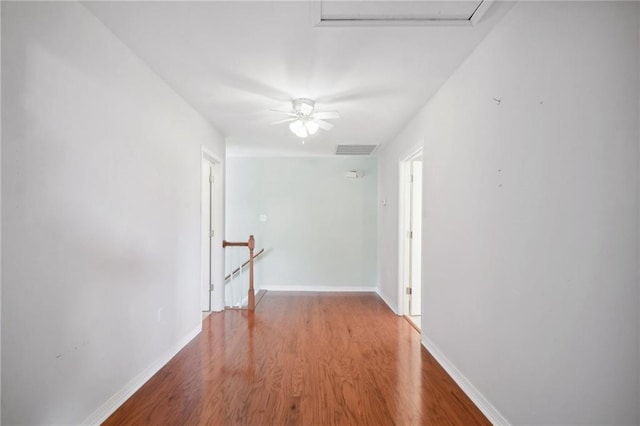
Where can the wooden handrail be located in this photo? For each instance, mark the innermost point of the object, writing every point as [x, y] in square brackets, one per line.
[226, 243]
[251, 244]
[243, 265]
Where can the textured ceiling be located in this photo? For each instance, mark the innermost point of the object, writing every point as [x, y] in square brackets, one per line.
[234, 61]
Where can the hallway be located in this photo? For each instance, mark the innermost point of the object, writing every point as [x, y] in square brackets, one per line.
[304, 358]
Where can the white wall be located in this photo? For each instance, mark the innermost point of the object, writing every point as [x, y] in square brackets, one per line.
[100, 215]
[0, 219]
[321, 226]
[638, 212]
[531, 215]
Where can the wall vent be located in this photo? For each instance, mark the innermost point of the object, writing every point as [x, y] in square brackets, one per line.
[355, 149]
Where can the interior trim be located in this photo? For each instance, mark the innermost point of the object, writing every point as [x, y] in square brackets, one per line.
[318, 21]
[103, 412]
[483, 404]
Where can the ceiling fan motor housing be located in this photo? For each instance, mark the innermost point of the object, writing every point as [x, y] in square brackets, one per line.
[303, 106]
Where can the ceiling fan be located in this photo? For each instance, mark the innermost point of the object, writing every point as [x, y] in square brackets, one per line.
[304, 121]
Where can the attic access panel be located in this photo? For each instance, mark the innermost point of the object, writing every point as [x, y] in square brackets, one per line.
[400, 12]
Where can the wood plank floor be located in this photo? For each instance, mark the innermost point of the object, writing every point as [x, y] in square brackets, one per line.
[302, 358]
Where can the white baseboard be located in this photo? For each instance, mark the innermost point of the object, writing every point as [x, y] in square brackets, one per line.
[319, 288]
[112, 404]
[385, 300]
[467, 387]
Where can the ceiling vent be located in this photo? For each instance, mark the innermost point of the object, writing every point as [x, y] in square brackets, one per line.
[355, 149]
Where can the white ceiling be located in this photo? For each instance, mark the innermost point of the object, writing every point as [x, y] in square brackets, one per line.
[234, 61]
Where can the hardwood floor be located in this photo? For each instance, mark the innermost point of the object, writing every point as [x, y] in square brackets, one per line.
[302, 358]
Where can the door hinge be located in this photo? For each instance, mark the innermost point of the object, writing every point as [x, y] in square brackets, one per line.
[211, 179]
[410, 234]
[212, 233]
[408, 290]
[411, 179]
[210, 287]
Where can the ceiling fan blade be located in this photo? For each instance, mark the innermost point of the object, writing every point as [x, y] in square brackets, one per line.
[324, 125]
[326, 115]
[289, 113]
[285, 120]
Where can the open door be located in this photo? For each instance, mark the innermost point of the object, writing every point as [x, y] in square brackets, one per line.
[415, 280]
[410, 245]
[207, 232]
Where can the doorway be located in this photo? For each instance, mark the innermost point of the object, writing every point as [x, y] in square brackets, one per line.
[210, 225]
[410, 282]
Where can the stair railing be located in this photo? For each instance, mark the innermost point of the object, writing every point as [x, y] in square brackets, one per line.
[251, 300]
[237, 270]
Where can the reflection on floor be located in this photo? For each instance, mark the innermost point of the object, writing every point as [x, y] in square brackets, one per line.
[302, 359]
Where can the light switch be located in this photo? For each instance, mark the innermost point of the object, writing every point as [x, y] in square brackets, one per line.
[263, 218]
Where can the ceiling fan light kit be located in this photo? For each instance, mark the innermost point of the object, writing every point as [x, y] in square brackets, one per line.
[303, 128]
[303, 122]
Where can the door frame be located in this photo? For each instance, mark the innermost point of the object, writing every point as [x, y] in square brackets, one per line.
[209, 245]
[404, 220]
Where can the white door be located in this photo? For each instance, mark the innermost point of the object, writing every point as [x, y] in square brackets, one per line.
[416, 238]
[207, 233]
